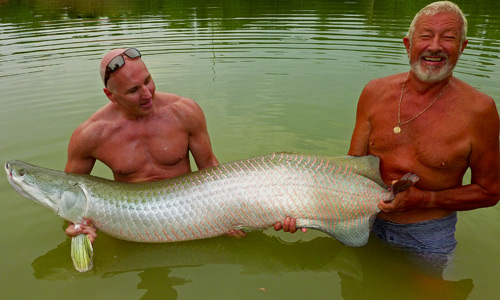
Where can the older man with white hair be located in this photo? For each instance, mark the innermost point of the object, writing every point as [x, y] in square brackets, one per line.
[430, 123]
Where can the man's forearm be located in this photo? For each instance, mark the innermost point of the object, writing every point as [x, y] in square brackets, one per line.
[466, 197]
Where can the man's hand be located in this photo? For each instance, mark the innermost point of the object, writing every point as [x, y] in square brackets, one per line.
[288, 225]
[86, 228]
[236, 233]
[412, 198]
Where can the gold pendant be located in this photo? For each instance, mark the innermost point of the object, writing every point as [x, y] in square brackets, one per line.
[397, 129]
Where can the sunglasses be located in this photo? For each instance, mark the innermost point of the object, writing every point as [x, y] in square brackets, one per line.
[118, 61]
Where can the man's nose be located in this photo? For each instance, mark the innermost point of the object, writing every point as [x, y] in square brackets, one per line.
[435, 43]
[145, 93]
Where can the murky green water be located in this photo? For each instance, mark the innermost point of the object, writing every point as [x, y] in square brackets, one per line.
[270, 76]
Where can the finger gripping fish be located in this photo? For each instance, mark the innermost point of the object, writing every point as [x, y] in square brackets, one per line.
[337, 195]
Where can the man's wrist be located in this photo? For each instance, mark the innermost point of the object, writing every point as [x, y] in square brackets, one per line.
[429, 199]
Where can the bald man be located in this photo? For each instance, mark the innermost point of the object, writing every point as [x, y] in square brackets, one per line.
[141, 134]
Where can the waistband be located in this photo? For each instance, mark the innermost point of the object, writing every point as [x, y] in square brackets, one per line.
[432, 236]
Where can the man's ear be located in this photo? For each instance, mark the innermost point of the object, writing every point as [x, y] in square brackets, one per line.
[464, 44]
[407, 42]
[109, 94]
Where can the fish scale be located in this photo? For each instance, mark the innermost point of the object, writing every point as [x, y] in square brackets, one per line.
[337, 195]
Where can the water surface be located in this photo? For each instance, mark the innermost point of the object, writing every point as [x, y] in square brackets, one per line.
[270, 76]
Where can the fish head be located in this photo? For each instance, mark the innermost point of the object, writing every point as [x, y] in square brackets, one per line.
[56, 190]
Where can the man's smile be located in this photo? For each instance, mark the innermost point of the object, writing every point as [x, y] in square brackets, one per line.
[433, 58]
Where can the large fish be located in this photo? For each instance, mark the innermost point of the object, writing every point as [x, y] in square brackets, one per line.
[336, 195]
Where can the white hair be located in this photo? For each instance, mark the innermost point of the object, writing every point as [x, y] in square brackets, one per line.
[436, 8]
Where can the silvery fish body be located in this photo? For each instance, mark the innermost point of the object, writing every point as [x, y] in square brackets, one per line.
[337, 195]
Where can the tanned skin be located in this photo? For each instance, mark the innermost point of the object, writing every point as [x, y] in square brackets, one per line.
[141, 134]
[459, 131]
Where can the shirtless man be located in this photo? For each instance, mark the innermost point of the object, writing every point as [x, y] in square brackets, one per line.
[141, 134]
[430, 123]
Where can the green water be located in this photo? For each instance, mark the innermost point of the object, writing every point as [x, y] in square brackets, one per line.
[270, 76]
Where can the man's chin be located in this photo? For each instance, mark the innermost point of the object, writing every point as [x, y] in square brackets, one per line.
[430, 76]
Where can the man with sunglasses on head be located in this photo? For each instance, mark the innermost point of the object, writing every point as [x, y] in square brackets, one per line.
[141, 134]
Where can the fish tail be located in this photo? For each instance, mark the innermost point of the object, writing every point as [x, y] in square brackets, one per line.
[82, 253]
[402, 184]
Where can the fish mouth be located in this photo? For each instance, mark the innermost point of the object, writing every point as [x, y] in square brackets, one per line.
[8, 170]
[13, 182]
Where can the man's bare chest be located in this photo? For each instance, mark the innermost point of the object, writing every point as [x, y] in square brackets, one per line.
[430, 141]
[128, 151]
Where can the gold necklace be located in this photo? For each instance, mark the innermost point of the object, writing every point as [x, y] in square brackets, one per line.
[397, 129]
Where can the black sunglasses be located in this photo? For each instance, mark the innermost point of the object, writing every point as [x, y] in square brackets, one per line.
[118, 61]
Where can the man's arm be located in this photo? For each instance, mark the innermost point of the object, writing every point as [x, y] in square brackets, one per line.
[80, 161]
[199, 139]
[484, 161]
[362, 127]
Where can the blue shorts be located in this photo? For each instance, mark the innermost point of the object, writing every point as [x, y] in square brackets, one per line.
[433, 236]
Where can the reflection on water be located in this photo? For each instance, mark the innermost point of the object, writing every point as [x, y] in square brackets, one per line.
[270, 76]
[155, 265]
[150, 278]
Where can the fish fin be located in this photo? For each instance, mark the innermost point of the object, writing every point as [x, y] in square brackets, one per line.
[351, 238]
[366, 166]
[402, 184]
[245, 229]
[371, 220]
[349, 235]
[82, 253]
[354, 237]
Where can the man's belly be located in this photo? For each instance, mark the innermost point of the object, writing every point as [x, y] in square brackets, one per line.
[414, 216]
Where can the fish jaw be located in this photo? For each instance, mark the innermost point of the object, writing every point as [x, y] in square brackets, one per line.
[23, 182]
[11, 178]
[58, 193]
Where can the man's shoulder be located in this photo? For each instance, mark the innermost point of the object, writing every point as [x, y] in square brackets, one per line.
[469, 89]
[382, 89]
[107, 111]
[97, 124]
[386, 81]
[178, 105]
[168, 99]
[183, 109]
[473, 98]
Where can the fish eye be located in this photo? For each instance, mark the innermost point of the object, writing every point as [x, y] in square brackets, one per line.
[22, 172]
